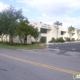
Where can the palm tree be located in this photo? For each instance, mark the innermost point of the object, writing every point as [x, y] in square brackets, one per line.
[71, 29]
[57, 24]
[78, 33]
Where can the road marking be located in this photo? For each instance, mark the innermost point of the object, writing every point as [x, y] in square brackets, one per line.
[73, 49]
[57, 47]
[40, 64]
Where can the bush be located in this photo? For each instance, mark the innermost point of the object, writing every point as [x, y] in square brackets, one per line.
[43, 40]
[67, 39]
[52, 40]
[78, 40]
[73, 39]
[59, 40]
[33, 42]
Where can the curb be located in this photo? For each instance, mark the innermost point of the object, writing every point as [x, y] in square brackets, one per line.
[61, 43]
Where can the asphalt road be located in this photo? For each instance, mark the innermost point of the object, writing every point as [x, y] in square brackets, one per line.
[44, 64]
[75, 47]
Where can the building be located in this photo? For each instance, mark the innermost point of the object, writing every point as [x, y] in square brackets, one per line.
[48, 32]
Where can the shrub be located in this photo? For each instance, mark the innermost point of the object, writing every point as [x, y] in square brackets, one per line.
[43, 40]
[78, 40]
[33, 42]
[52, 40]
[59, 40]
[73, 39]
[67, 39]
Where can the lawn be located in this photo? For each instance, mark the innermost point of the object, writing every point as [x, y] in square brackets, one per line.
[21, 46]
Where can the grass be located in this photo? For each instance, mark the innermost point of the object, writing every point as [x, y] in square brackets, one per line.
[21, 46]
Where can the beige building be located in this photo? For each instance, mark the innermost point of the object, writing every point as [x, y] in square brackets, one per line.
[50, 31]
[47, 31]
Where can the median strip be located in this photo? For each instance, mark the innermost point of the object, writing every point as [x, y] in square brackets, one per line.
[40, 64]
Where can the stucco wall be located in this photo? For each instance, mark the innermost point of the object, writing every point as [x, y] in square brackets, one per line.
[51, 33]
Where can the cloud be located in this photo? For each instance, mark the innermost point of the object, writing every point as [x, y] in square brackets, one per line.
[53, 10]
[25, 10]
[3, 6]
[57, 7]
[67, 21]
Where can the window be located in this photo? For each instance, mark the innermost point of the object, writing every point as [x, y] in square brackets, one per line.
[62, 32]
[42, 30]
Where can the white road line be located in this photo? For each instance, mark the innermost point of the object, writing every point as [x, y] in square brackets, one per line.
[73, 49]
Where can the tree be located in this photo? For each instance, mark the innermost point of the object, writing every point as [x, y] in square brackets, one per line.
[71, 29]
[78, 33]
[1, 35]
[1, 27]
[9, 21]
[57, 24]
[34, 32]
[25, 29]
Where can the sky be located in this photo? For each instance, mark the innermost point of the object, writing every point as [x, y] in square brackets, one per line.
[48, 11]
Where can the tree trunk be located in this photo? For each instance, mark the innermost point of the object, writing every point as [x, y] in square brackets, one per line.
[2, 38]
[11, 40]
[20, 40]
[6, 38]
[36, 40]
[25, 39]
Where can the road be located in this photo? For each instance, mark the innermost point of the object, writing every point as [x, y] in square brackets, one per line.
[46, 64]
[67, 46]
